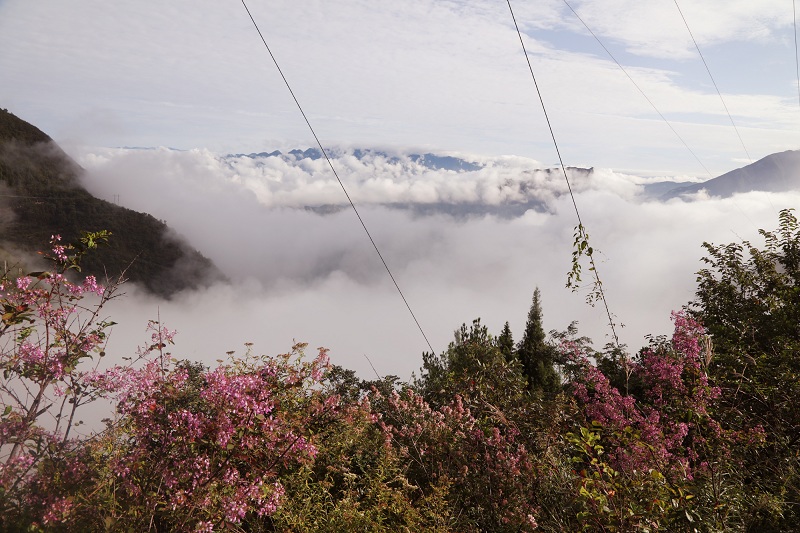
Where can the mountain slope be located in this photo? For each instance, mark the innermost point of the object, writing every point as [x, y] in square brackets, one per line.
[778, 172]
[40, 195]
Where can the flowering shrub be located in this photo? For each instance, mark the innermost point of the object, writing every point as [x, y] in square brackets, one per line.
[190, 448]
[50, 329]
[748, 297]
[281, 443]
[357, 483]
[200, 449]
[662, 445]
[674, 402]
[487, 467]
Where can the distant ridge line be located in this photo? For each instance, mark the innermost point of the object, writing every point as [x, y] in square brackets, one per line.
[778, 172]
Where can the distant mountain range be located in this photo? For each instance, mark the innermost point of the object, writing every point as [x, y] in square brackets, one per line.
[778, 172]
[774, 173]
[431, 161]
[41, 195]
[522, 188]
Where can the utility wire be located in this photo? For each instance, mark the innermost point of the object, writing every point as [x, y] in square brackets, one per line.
[720, 97]
[796, 59]
[614, 59]
[566, 178]
[330, 164]
[712, 81]
[651, 103]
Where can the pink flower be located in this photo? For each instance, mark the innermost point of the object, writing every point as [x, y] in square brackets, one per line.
[90, 285]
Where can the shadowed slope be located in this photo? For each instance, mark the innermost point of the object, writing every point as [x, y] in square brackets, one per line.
[40, 195]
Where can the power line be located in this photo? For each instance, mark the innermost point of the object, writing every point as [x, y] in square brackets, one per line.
[720, 96]
[651, 103]
[566, 178]
[330, 164]
[796, 59]
[712, 81]
[614, 59]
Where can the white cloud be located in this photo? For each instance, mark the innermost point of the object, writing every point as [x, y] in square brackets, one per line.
[439, 75]
[316, 278]
[656, 28]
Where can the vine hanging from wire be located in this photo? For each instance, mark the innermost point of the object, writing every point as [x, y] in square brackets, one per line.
[581, 243]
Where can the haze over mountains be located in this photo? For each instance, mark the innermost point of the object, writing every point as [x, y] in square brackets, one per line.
[514, 194]
[457, 185]
[774, 173]
[41, 195]
[422, 183]
[466, 236]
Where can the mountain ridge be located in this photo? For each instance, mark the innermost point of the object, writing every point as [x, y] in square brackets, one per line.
[778, 172]
[41, 196]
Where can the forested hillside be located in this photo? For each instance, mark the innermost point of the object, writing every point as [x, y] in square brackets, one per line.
[40, 195]
[694, 432]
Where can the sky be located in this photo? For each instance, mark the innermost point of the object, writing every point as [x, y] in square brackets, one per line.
[444, 75]
[438, 76]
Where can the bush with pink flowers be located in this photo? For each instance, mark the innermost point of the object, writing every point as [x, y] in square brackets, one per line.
[679, 437]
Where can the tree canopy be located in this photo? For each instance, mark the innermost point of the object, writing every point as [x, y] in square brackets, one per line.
[748, 298]
[697, 433]
[535, 355]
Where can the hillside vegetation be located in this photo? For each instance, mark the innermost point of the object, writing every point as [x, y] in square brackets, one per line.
[696, 432]
[41, 195]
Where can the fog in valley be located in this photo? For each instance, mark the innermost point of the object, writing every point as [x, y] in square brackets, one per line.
[461, 245]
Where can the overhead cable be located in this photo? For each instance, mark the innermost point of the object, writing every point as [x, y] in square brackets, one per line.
[594, 270]
[796, 59]
[650, 102]
[330, 164]
[614, 59]
[712, 81]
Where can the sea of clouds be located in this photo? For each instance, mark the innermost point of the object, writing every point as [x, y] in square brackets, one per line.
[461, 245]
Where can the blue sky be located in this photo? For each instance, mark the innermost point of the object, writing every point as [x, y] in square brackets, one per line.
[439, 75]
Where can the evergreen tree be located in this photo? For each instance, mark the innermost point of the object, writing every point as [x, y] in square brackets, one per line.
[474, 368]
[505, 342]
[535, 355]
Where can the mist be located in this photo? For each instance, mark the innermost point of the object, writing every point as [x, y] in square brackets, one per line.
[304, 274]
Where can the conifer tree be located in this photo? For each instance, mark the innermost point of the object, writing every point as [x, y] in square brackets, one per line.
[505, 342]
[535, 355]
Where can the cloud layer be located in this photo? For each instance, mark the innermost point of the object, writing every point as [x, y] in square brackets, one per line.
[314, 277]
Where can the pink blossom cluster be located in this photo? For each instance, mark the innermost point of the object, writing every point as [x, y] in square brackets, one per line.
[63, 469]
[488, 463]
[13, 468]
[90, 284]
[48, 332]
[217, 438]
[670, 424]
[57, 511]
[210, 443]
[59, 250]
